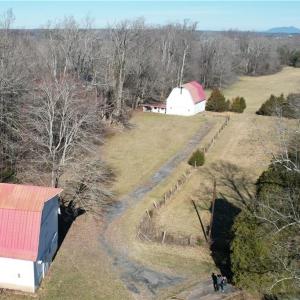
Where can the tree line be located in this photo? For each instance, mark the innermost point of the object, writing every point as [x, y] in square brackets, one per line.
[62, 86]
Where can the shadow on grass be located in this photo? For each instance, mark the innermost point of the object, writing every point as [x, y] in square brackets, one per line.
[221, 235]
[67, 216]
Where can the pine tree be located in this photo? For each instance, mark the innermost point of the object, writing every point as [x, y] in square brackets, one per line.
[197, 159]
[273, 106]
[217, 102]
[238, 105]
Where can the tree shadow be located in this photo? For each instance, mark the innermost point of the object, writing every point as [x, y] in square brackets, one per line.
[235, 191]
[222, 235]
[68, 214]
[234, 183]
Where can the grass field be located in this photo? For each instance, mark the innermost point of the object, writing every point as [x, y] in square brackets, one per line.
[246, 142]
[257, 89]
[137, 153]
[82, 271]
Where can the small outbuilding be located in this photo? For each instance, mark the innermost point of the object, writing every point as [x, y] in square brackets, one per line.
[155, 107]
[187, 100]
[28, 234]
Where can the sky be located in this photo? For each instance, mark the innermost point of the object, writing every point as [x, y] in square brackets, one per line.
[210, 15]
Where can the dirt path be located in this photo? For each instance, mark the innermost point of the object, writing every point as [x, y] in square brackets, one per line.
[144, 283]
[204, 291]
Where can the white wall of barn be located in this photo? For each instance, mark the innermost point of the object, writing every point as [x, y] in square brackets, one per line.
[200, 107]
[17, 274]
[180, 103]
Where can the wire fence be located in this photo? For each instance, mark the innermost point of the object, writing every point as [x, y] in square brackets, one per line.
[149, 231]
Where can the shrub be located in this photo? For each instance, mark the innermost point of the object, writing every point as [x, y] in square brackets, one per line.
[238, 105]
[250, 257]
[295, 59]
[291, 109]
[257, 261]
[272, 107]
[287, 107]
[217, 102]
[197, 159]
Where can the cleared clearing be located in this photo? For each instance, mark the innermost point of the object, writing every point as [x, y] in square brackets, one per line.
[257, 89]
[82, 271]
[246, 142]
[138, 152]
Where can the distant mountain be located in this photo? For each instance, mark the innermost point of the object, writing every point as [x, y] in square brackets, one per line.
[287, 30]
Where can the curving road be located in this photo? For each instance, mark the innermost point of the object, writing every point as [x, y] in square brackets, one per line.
[140, 280]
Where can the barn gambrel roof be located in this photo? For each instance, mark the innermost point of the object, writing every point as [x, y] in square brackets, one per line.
[196, 90]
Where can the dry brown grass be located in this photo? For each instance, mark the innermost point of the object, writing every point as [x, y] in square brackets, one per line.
[240, 144]
[257, 89]
[246, 142]
[81, 270]
[193, 262]
[137, 153]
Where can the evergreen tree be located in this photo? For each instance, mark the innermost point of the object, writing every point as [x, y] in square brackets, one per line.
[217, 102]
[197, 159]
[251, 261]
[265, 254]
[238, 105]
[273, 106]
[295, 59]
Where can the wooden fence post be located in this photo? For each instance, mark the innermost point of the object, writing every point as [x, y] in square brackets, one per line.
[147, 211]
[163, 237]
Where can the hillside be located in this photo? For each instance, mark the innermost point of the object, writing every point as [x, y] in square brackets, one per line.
[287, 30]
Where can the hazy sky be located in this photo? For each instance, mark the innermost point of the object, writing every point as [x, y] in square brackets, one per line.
[214, 15]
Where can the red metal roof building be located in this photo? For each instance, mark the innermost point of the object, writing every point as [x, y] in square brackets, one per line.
[196, 90]
[186, 100]
[21, 209]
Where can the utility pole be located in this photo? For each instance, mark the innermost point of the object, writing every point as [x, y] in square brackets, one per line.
[204, 233]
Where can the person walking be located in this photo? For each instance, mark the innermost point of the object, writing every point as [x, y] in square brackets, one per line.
[224, 281]
[215, 281]
[220, 282]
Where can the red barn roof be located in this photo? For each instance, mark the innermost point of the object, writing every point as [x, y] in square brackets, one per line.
[21, 209]
[196, 90]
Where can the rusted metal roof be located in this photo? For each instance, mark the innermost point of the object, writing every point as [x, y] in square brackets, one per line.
[21, 209]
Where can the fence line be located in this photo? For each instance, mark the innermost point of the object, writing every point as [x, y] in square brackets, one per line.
[147, 229]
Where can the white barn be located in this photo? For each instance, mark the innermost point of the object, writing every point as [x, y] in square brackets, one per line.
[28, 234]
[187, 100]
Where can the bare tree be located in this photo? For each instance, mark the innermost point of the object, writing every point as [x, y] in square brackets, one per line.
[89, 186]
[62, 113]
[13, 85]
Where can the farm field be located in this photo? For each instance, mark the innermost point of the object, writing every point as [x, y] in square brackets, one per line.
[246, 142]
[138, 152]
[243, 143]
[82, 269]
